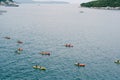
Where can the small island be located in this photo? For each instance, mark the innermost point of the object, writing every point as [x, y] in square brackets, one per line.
[103, 4]
[8, 3]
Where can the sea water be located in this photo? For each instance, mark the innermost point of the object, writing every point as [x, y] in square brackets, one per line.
[94, 33]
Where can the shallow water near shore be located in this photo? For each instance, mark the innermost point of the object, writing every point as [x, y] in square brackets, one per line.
[94, 34]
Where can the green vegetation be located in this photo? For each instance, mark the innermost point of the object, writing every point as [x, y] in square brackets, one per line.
[102, 3]
[6, 1]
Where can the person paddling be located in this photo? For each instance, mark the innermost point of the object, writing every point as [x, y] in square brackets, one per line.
[20, 49]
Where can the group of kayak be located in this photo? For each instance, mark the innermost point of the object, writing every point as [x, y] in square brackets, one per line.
[43, 68]
[77, 64]
[19, 50]
[19, 42]
[48, 53]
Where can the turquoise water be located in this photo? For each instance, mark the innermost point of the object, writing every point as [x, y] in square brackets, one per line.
[94, 34]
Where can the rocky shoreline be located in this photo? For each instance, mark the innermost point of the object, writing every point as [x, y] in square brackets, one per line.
[105, 8]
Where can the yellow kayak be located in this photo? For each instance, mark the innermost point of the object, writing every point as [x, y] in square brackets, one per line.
[39, 67]
[117, 61]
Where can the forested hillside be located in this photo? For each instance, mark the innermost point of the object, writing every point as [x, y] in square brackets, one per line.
[6, 0]
[102, 3]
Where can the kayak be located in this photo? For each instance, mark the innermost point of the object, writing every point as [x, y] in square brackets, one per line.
[68, 45]
[7, 37]
[39, 67]
[117, 62]
[45, 53]
[80, 65]
[20, 42]
[20, 49]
